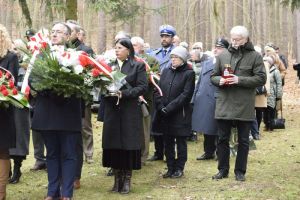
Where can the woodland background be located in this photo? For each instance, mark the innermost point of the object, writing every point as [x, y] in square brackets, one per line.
[276, 21]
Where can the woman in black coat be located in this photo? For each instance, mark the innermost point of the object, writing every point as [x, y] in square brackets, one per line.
[173, 110]
[123, 128]
[8, 61]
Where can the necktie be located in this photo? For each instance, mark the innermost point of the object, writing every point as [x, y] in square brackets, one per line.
[164, 53]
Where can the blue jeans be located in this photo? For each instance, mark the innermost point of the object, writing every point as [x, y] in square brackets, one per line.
[254, 128]
[61, 159]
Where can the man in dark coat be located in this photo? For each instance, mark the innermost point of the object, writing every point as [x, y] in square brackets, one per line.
[162, 54]
[238, 71]
[203, 118]
[85, 143]
[173, 111]
[59, 121]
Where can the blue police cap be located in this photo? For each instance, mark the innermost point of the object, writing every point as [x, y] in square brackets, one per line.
[167, 30]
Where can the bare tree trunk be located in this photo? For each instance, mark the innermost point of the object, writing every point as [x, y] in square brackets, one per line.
[26, 12]
[9, 17]
[297, 28]
[102, 32]
[142, 19]
[71, 9]
[3, 12]
[155, 22]
[229, 16]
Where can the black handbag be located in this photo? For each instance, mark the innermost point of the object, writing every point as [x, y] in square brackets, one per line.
[278, 123]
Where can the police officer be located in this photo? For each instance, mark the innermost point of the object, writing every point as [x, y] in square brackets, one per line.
[162, 54]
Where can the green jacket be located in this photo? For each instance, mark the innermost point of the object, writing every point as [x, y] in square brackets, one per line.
[236, 102]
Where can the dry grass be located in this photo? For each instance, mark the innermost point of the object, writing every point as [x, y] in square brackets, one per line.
[273, 170]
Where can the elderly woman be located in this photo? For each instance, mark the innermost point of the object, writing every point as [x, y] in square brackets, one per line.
[8, 61]
[173, 111]
[123, 128]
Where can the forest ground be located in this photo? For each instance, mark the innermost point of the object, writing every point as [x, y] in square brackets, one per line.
[273, 169]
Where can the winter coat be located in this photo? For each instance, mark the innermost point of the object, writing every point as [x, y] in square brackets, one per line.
[7, 125]
[261, 99]
[203, 118]
[275, 86]
[122, 126]
[22, 124]
[177, 86]
[236, 102]
[164, 62]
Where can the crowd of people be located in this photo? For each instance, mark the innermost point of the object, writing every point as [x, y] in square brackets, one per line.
[235, 85]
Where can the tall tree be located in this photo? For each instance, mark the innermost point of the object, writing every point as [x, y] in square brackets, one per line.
[71, 9]
[26, 13]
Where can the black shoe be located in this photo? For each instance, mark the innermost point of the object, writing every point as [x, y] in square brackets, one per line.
[37, 167]
[15, 177]
[154, 158]
[256, 137]
[221, 174]
[240, 176]
[110, 172]
[168, 174]
[206, 157]
[177, 174]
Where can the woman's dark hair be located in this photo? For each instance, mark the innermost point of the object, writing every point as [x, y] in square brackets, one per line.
[127, 43]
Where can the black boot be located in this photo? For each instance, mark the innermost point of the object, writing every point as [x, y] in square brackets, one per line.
[15, 178]
[118, 180]
[126, 182]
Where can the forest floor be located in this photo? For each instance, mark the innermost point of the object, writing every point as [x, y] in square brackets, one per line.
[273, 169]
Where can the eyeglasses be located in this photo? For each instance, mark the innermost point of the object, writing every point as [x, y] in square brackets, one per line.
[236, 39]
[196, 48]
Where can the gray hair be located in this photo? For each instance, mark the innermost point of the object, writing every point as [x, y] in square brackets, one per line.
[240, 30]
[137, 40]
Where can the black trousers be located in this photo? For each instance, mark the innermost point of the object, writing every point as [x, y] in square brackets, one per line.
[224, 132]
[159, 146]
[174, 163]
[210, 144]
[259, 115]
[269, 115]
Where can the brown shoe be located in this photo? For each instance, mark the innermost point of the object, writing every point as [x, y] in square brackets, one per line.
[77, 184]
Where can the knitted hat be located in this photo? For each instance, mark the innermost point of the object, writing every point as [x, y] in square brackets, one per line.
[180, 52]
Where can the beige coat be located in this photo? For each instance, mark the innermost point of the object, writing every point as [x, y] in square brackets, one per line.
[261, 100]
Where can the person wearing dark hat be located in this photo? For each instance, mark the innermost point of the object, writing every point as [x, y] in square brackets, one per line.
[29, 33]
[238, 71]
[205, 103]
[162, 54]
[173, 112]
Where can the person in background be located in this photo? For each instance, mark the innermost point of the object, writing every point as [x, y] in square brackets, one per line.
[237, 73]
[174, 112]
[262, 93]
[167, 33]
[8, 61]
[176, 40]
[82, 35]
[138, 45]
[58, 119]
[29, 33]
[22, 123]
[123, 126]
[85, 141]
[204, 101]
[275, 93]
